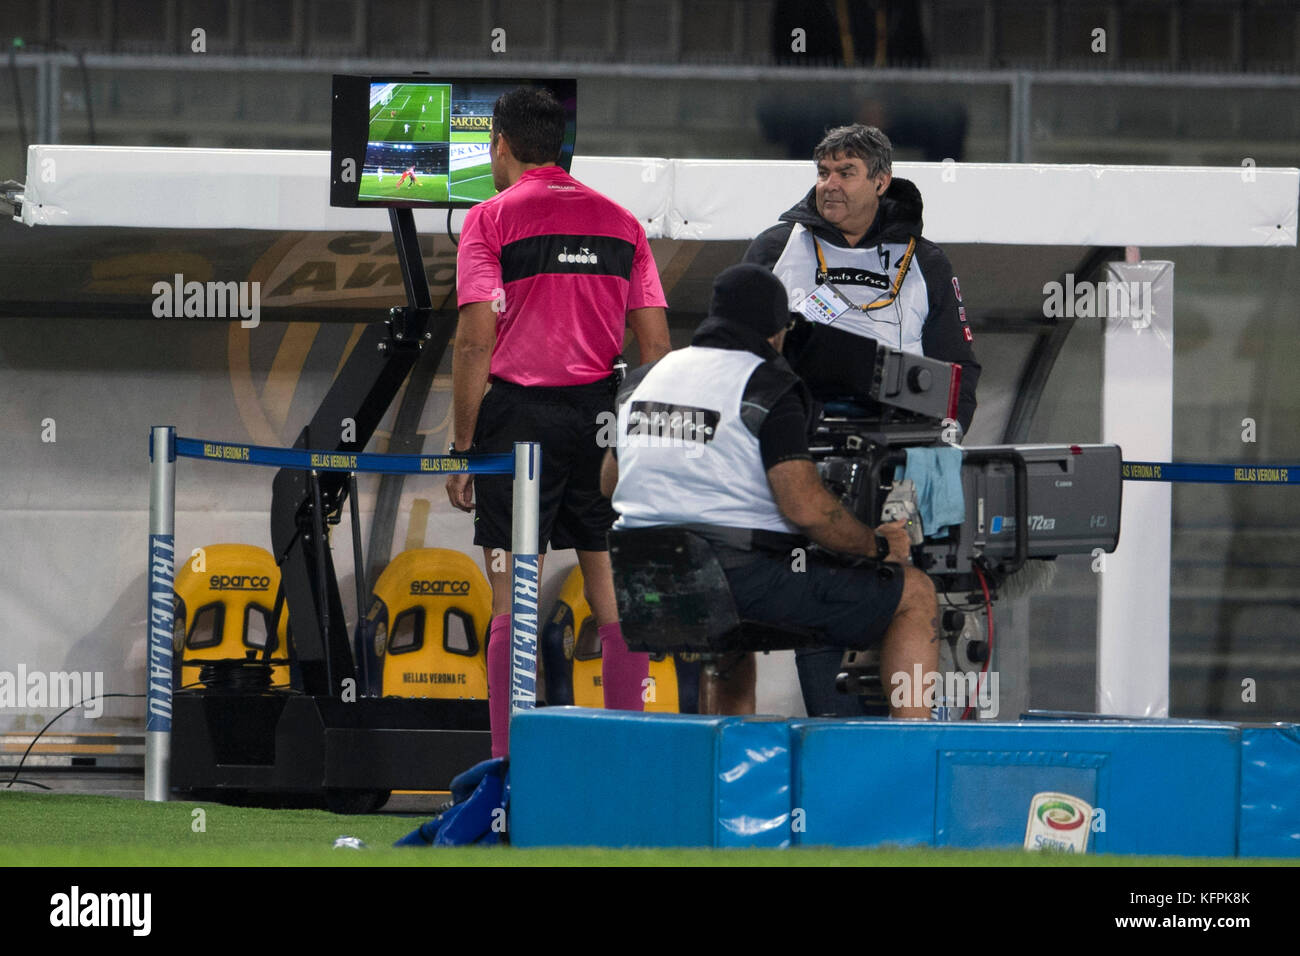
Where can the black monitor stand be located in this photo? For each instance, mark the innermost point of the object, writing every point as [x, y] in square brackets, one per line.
[325, 739]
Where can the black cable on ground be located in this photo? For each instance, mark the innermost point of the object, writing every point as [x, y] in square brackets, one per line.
[81, 703]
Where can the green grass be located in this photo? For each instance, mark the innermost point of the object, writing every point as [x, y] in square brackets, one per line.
[472, 182]
[67, 830]
[461, 173]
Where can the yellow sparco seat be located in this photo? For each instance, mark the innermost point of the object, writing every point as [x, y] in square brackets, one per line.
[430, 614]
[224, 603]
[572, 666]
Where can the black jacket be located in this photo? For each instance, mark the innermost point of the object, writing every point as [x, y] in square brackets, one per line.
[945, 331]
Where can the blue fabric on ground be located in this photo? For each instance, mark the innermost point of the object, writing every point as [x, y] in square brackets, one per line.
[466, 782]
[936, 472]
[480, 796]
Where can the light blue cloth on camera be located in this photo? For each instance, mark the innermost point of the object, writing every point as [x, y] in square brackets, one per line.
[936, 472]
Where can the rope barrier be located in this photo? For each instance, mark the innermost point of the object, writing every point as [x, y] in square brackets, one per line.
[359, 462]
[503, 464]
[1210, 473]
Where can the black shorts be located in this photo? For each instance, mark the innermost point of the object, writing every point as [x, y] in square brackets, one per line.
[566, 422]
[851, 606]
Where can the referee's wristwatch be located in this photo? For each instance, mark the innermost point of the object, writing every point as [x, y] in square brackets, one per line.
[452, 450]
[882, 547]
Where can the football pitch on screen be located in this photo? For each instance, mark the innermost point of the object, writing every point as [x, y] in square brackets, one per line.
[398, 120]
[471, 183]
[424, 187]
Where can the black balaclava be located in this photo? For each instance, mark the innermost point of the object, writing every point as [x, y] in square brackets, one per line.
[749, 306]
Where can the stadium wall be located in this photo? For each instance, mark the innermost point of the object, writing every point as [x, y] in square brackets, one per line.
[73, 526]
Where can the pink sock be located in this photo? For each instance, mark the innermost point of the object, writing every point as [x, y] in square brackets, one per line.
[621, 671]
[498, 666]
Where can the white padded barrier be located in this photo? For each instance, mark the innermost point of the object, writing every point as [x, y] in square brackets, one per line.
[684, 198]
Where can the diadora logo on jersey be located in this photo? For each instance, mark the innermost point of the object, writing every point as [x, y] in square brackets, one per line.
[660, 420]
[440, 587]
[844, 276]
[239, 582]
[582, 257]
[956, 287]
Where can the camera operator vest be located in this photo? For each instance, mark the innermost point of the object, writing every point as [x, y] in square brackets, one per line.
[688, 450]
[888, 293]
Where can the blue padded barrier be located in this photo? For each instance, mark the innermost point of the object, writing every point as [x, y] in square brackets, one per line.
[1270, 791]
[1177, 787]
[1170, 788]
[1269, 800]
[582, 777]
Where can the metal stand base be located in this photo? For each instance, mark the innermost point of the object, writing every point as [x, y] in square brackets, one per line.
[261, 747]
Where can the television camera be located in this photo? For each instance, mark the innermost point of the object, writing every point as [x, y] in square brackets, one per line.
[1023, 505]
[1012, 510]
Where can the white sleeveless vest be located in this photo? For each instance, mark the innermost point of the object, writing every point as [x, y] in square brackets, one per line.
[684, 454]
[898, 324]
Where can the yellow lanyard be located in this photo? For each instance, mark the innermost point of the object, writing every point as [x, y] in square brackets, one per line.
[903, 265]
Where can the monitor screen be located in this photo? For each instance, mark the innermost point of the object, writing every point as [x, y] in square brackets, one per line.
[422, 141]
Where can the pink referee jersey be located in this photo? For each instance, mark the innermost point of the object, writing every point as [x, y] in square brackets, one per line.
[570, 263]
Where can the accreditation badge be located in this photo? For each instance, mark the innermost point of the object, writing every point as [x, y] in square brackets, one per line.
[824, 305]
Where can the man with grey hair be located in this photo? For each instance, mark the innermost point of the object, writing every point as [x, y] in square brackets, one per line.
[858, 231]
[856, 239]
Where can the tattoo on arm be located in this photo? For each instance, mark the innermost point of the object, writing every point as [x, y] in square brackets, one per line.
[934, 625]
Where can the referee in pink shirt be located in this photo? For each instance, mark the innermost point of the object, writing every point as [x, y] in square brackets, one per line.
[549, 276]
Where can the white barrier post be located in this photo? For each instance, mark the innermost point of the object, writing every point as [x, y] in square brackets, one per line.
[524, 577]
[1137, 414]
[162, 567]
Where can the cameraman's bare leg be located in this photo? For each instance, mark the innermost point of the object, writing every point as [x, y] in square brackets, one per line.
[728, 685]
[912, 639]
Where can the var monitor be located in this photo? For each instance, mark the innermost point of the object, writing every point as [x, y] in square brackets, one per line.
[422, 141]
